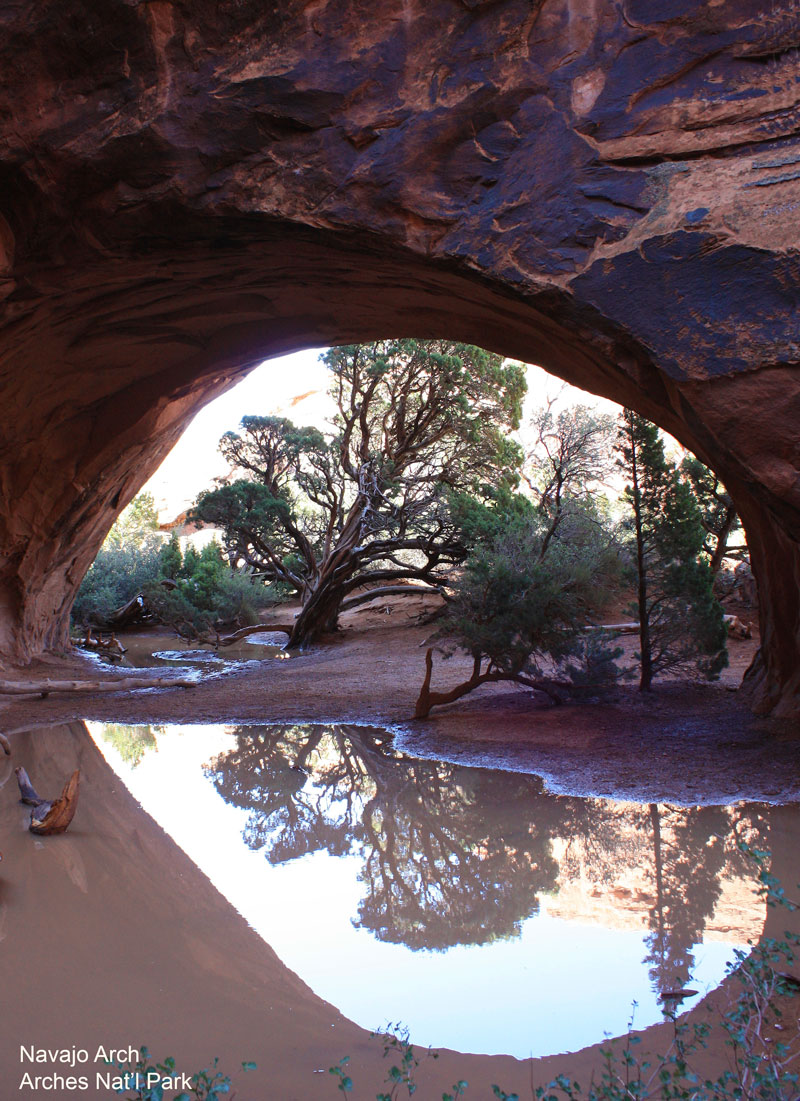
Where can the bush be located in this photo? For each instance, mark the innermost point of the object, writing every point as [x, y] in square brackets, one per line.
[207, 594]
[207, 601]
[115, 577]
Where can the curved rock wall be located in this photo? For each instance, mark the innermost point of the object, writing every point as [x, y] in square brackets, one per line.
[186, 188]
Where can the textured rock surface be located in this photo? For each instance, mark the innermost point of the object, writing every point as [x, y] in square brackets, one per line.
[609, 190]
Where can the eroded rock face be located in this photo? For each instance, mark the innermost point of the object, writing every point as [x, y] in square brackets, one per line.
[611, 191]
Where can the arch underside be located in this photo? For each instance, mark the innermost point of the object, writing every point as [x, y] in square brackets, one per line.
[608, 197]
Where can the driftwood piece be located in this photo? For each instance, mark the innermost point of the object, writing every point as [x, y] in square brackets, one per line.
[255, 629]
[27, 792]
[45, 687]
[111, 645]
[47, 818]
[5, 745]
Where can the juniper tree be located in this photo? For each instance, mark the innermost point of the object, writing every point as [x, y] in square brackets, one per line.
[680, 622]
[326, 513]
[718, 514]
[528, 592]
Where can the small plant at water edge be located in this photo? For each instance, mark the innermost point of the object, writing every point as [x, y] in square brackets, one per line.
[148, 1080]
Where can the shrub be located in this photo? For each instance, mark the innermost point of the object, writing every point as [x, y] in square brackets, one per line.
[117, 574]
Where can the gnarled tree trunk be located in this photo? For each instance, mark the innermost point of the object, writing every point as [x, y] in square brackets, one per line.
[428, 699]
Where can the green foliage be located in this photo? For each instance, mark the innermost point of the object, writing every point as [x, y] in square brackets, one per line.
[209, 597]
[400, 1074]
[717, 513]
[593, 663]
[131, 742]
[527, 592]
[135, 523]
[143, 1079]
[207, 594]
[170, 559]
[345, 1082]
[117, 574]
[483, 521]
[128, 559]
[417, 421]
[681, 626]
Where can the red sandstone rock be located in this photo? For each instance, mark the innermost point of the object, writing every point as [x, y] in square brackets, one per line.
[611, 191]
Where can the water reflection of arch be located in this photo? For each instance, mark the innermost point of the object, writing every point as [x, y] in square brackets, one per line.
[457, 855]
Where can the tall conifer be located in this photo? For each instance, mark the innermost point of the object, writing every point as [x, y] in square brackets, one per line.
[680, 622]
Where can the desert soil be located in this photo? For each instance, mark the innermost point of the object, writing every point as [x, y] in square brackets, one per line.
[682, 742]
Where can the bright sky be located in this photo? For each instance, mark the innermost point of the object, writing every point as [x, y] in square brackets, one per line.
[293, 386]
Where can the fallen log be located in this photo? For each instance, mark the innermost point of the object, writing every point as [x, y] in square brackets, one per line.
[134, 611]
[255, 629]
[616, 628]
[736, 627]
[45, 687]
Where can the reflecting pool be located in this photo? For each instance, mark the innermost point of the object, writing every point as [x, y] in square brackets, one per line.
[148, 650]
[473, 906]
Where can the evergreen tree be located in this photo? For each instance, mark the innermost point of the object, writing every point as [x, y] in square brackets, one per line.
[170, 558]
[531, 585]
[324, 515]
[680, 622]
[717, 513]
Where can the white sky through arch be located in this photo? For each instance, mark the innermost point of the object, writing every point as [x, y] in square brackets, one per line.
[292, 386]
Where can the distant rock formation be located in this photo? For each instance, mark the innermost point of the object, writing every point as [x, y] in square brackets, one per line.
[608, 190]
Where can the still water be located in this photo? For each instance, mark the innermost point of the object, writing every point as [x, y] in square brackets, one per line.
[470, 905]
[148, 650]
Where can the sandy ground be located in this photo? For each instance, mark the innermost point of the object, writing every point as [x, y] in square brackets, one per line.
[682, 742]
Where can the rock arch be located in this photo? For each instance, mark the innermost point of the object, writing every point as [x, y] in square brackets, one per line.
[607, 190]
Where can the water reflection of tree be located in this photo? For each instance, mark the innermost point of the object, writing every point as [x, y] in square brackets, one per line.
[450, 855]
[131, 742]
[682, 856]
[693, 850]
[454, 855]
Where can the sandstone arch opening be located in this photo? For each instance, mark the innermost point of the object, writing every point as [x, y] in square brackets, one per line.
[186, 190]
[112, 378]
